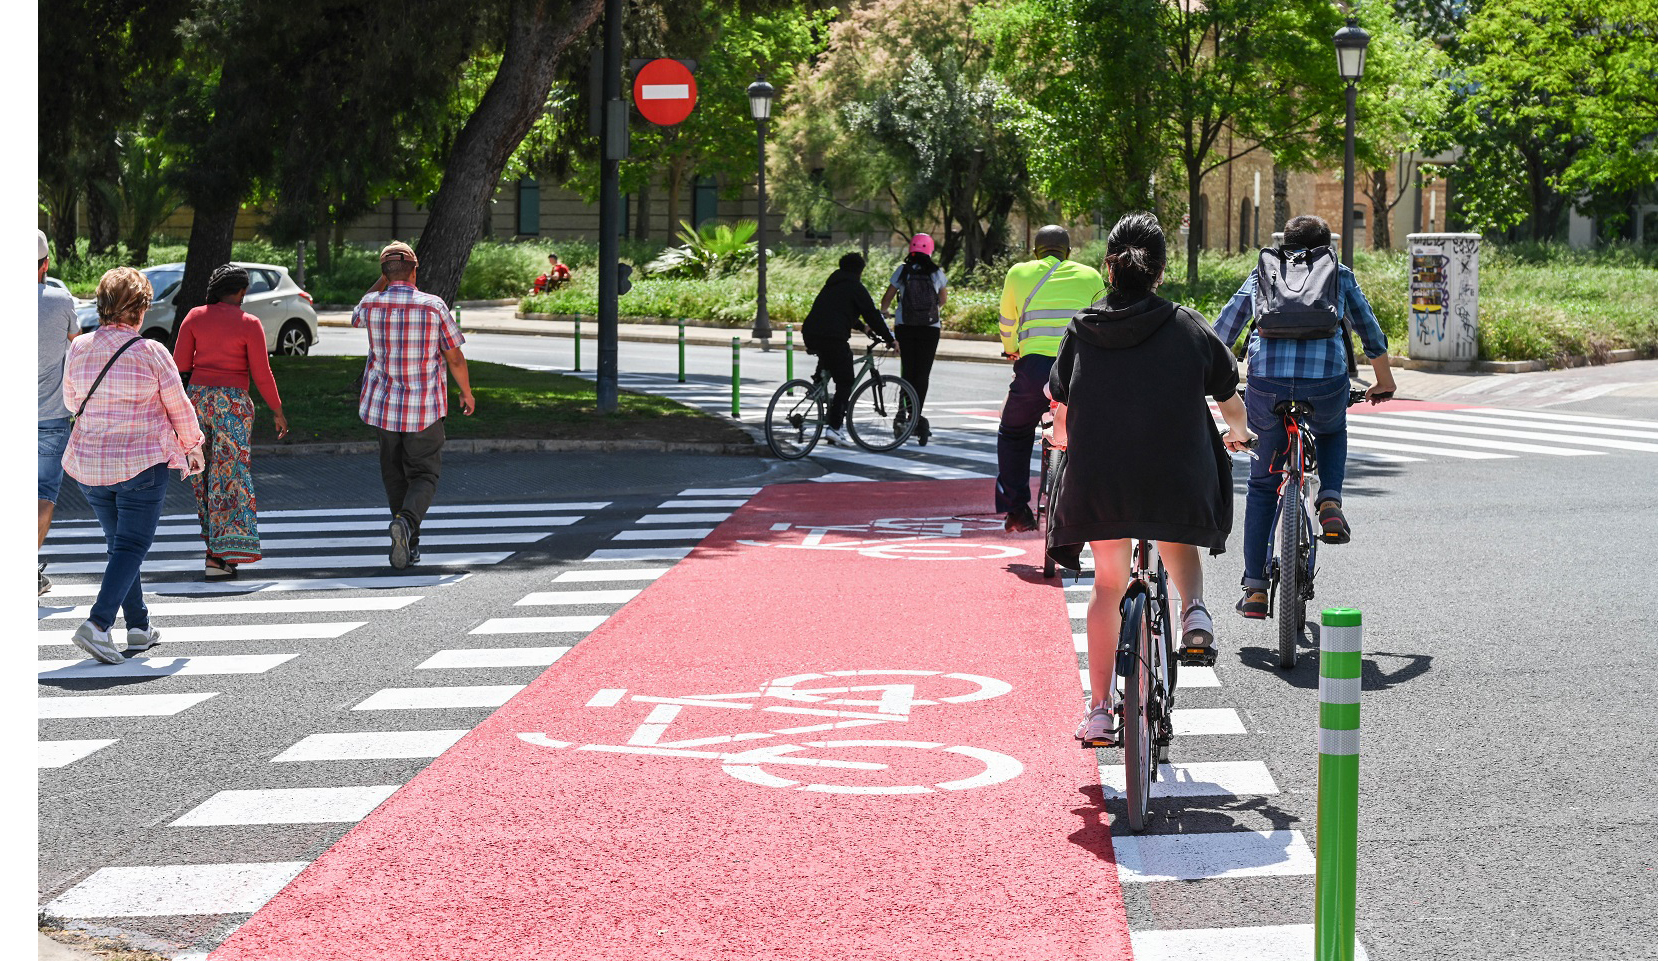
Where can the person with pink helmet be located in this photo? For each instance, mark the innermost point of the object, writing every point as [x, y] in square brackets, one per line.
[918, 286]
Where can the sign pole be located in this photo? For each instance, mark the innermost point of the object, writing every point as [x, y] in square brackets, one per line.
[606, 313]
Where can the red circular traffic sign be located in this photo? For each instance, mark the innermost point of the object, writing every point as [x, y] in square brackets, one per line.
[665, 92]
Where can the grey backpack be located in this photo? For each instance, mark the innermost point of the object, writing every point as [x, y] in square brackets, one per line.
[1298, 296]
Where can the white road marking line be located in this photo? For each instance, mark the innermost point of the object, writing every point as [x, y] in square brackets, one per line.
[166, 589]
[425, 698]
[432, 524]
[720, 492]
[162, 666]
[1360, 430]
[664, 534]
[385, 512]
[606, 554]
[295, 562]
[1437, 423]
[607, 697]
[1282, 942]
[622, 574]
[1206, 721]
[1417, 449]
[1205, 779]
[902, 465]
[713, 502]
[370, 746]
[291, 605]
[566, 624]
[1498, 419]
[564, 598]
[1197, 677]
[1148, 858]
[682, 518]
[1379, 458]
[116, 705]
[167, 890]
[493, 657]
[838, 478]
[1587, 393]
[1561, 417]
[309, 805]
[272, 547]
[230, 632]
[63, 753]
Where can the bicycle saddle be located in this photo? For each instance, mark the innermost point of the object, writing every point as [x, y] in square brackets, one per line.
[1299, 408]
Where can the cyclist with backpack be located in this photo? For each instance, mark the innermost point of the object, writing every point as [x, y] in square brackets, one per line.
[841, 306]
[1303, 304]
[919, 287]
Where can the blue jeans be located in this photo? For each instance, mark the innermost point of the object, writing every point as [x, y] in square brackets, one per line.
[1018, 432]
[128, 512]
[49, 469]
[1328, 424]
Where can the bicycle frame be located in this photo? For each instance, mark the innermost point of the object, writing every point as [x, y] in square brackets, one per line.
[1297, 462]
[1150, 580]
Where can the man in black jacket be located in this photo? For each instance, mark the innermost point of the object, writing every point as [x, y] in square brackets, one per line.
[842, 305]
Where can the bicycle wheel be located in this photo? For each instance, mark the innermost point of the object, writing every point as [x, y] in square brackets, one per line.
[1049, 475]
[794, 419]
[1288, 605]
[882, 413]
[1137, 730]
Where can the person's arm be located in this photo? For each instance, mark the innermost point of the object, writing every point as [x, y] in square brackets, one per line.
[871, 319]
[1237, 310]
[944, 285]
[256, 361]
[457, 362]
[891, 293]
[1236, 418]
[1009, 315]
[182, 417]
[1371, 335]
[71, 391]
[186, 344]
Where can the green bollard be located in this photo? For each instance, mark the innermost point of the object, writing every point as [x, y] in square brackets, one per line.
[790, 351]
[577, 343]
[1339, 667]
[457, 316]
[682, 349]
[735, 379]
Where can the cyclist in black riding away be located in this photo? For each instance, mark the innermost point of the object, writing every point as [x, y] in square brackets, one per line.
[1144, 458]
[841, 306]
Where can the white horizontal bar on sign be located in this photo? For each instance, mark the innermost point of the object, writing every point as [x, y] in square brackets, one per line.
[493, 657]
[1204, 779]
[116, 705]
[567, 598]
[682, 518]
[1282, 942]
[162, 666]
[1195, 722]
[297, 562]
[1489, 418]
[423, 698]
[622, 574]
[167, 890]
[720, 491]
[370, 746]
[309, 805]
[703, 503]
[607, 554]
[64, 753]
[1437, 423]
[273, 545]
[664, 534]
[665, 91]
[1150, 858]
[166, 589]
[290, 605]
[566, 624]
[1360, 430]
[903, 465]
[1386, 445]
[231, 632]
[312, 527]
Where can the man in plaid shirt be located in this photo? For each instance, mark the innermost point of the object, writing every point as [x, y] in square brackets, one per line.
[411, 338]
[1311, 370]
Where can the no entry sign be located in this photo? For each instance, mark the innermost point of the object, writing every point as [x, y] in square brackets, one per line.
[665, 92]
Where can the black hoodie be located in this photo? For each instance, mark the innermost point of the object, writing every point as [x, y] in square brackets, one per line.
[1144, 457]
[839, 307]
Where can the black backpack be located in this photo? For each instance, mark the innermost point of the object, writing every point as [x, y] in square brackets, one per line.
[921, 300]
[1298, 296]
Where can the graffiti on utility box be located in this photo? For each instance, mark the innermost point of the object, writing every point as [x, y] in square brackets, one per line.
[1445, 275]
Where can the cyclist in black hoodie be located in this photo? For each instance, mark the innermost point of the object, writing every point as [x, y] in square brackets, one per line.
[841, 306]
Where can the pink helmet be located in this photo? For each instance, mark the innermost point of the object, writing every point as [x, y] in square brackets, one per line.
[921, 244]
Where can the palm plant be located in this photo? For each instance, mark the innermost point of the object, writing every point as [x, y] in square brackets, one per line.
[143, 192]
[709, 251]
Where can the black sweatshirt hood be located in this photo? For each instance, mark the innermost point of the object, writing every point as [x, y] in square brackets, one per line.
[841, 277]
[1106, 324]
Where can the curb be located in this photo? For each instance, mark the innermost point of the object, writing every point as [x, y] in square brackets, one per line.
[491, 445]
[1520, 366]
[668, 322]
[504, 302]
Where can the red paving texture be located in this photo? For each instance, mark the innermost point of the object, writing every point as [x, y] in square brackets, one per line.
[507, 849]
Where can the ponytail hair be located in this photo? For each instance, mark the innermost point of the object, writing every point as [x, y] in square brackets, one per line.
[1137, 255]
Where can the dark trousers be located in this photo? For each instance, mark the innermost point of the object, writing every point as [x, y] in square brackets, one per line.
[409, 463]
[835, 356]
[916, 347]
[128, 513]
[1018, 431]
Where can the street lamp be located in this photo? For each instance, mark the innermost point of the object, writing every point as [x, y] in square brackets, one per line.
[759, 96]
[1350, 63]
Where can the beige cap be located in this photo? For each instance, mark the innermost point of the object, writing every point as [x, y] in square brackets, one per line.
[41, 239]
[397, 250]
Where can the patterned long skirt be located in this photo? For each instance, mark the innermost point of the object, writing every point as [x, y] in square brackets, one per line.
[227, 503]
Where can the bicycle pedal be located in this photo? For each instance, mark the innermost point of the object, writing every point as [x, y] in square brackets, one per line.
[1197, 655]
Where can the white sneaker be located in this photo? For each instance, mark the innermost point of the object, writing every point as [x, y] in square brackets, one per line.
[96, 643]
[834, 437]
[139, 640]
[1098, 728]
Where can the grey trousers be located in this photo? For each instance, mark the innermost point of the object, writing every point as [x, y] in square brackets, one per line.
[409, 463]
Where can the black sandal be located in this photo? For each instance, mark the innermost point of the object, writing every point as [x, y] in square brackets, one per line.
[216, 569]
[1334, 525]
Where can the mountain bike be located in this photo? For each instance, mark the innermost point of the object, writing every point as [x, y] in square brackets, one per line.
[1146, 675]
[880, 415]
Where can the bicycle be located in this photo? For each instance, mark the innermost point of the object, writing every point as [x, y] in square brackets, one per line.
[1146, 675]
[1292, 552]
[880, 415]
[1049, 478]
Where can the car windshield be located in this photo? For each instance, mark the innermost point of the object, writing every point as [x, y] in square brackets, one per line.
[164, 280]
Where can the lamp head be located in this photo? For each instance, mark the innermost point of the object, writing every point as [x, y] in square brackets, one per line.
[1350, 50]
[759, 95]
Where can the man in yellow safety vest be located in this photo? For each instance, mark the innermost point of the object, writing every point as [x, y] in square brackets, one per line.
[1040, 296]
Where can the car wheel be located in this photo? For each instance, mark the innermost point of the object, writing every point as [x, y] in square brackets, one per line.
[158, 334]
[293, 340]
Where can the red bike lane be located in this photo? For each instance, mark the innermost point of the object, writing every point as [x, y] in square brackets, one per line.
[840, 728]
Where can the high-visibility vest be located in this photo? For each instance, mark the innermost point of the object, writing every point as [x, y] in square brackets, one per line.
[1039, 298]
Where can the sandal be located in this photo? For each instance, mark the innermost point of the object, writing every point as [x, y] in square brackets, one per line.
[1334, 525]
[216, 569]
[1196, 646]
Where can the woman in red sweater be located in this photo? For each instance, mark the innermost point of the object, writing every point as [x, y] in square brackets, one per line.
[222, 349]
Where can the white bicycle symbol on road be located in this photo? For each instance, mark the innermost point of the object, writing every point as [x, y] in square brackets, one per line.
[902, 538]
[839, 706]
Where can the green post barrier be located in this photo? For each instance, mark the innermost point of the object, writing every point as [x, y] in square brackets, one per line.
[682, 349]
[1339, 667]
[577, 343]
[735, 379]
[457, 316]
[789, 352]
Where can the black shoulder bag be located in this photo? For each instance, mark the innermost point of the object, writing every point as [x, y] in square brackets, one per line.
[101, 378]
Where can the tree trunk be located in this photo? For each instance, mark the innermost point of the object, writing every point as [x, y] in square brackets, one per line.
[323, 249]
[61, 212]
[1380, 239]
[1280, 201]
[538, 32]
[1193, 244]
[209, 247]
[644, 200]
[103, 226]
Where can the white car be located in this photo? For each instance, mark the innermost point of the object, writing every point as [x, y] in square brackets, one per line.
[61, 285]
[286, 310]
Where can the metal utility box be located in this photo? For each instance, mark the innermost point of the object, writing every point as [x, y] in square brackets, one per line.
[1445, 275]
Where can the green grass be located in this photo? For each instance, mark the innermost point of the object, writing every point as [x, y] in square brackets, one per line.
[320, 398]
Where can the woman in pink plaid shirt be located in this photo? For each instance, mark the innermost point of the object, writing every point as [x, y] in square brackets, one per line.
[131, 427]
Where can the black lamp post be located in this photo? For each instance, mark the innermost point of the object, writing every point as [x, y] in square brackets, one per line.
[759, 95]
[1350, 62]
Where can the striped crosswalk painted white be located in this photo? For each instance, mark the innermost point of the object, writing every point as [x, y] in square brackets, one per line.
[240, 609]
[306, 631]
[117, 705]
[162, 666]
